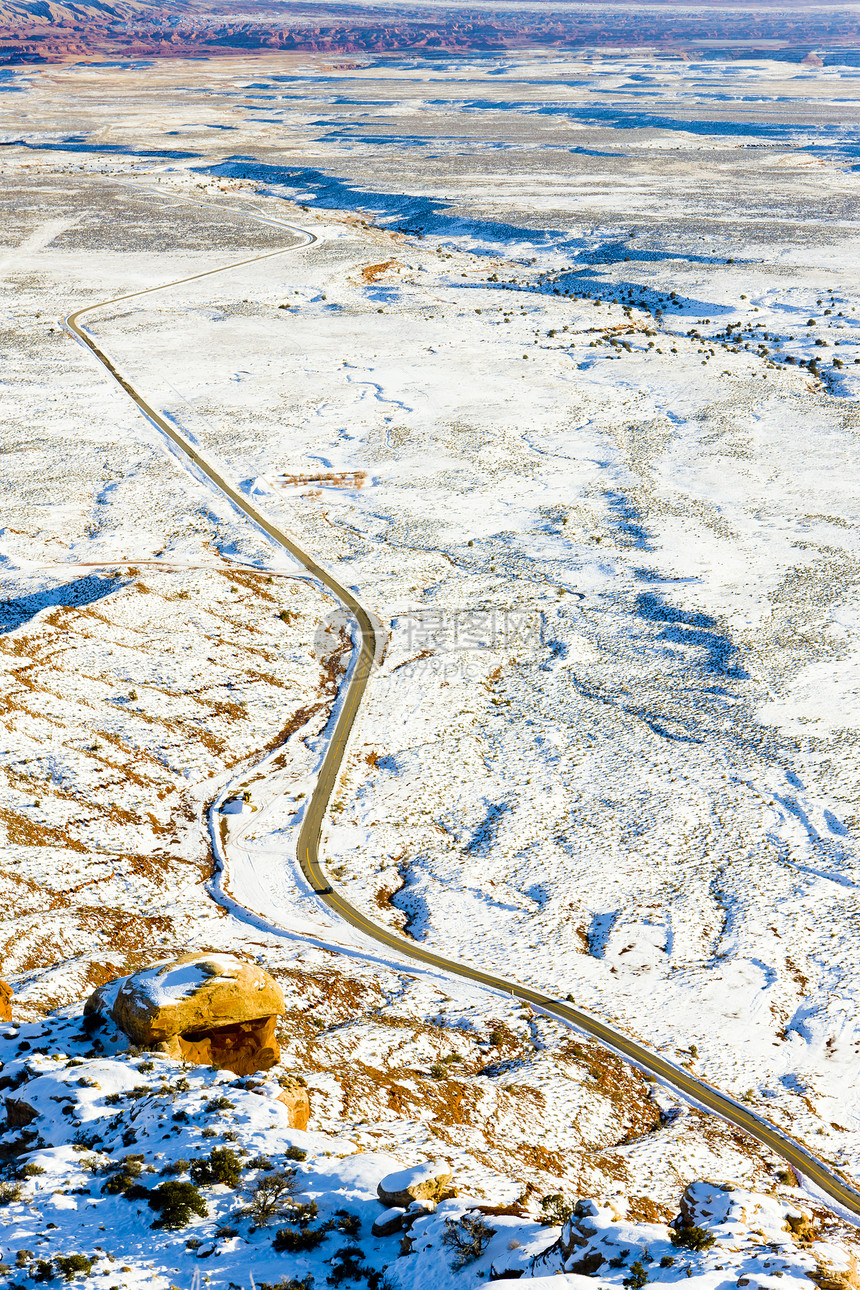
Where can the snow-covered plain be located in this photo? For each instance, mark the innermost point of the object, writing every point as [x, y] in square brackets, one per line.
[541, 392]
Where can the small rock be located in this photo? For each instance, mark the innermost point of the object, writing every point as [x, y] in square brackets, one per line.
[418, 1209]
[389, 1222]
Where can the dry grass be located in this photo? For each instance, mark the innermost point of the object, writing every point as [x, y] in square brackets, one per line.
[98, 815]
[373, 272]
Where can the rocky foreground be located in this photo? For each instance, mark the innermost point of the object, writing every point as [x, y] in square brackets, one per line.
[133, 1170]
[132, 1165]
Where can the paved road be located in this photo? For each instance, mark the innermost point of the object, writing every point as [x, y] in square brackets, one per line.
[691, 1088]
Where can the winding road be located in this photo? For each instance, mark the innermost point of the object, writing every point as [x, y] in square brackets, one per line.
[845, 1197]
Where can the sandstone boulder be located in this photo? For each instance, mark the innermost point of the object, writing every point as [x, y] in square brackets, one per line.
[5, 1001]
[209, 1009]
[428, 1181]
[294, 1095]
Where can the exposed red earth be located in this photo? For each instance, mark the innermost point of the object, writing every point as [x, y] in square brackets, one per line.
[39, 31]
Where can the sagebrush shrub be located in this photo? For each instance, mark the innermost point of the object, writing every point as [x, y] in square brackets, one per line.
[176, 1202]
[177, 1167]
[293, 1240]
[124, 1177]
[345, 1223]
[468, 1238]
[220, 1103]
[288, 1283]
[222, 1165]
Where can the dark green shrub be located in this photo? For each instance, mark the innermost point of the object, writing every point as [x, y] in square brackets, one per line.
[176, 1202]
[693, 1238]
[222, 1165]
[638, 1277]
[293, 1240]
[71, 1264]
[124, 1177]
[345, 1223]
[667, 1261]
[292, 1153]
[43, 1270]
[555, 1210]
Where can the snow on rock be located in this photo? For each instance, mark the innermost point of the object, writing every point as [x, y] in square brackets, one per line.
[427, 1181]
[388, 1222]
[212, 1008]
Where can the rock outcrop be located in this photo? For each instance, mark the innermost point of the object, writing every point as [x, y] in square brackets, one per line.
[428, 1181]
[5, 1001]
[208, 1009]
[294, 1095]
[19, 1113]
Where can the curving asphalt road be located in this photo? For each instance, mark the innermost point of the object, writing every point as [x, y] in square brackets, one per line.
[846, 1197]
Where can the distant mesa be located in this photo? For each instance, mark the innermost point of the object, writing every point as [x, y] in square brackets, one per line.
[40, 31]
